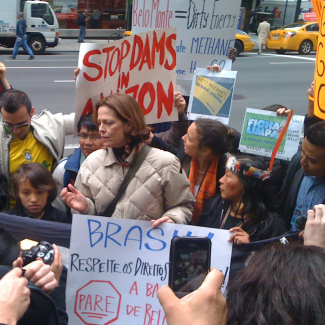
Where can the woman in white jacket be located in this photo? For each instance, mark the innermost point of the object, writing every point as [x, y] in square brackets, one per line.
[159, 189]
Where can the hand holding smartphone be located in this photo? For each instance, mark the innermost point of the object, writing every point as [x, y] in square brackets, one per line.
[189, 263]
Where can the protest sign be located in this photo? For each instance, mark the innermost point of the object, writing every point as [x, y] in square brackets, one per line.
[261, 130]
[211, 94]
[117, 265]
[142, 66]
[319, 90]
[206, 30]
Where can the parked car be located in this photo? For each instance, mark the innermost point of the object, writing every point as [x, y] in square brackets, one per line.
[243, 42]
[300, 36]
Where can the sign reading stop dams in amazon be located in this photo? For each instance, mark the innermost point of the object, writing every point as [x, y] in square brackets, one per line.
[261, 130]
[116, 267]
[142, 66]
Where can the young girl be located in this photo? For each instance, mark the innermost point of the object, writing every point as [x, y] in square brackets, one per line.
[34, 189]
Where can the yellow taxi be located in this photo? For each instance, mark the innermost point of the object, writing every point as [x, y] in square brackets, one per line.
[300, 36]
[243, 42]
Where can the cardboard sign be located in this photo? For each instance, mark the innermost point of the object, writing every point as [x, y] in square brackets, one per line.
[117, 265]
[142, 66]
[206, 31]
[261, 130]
[319, 92]
[211, 94]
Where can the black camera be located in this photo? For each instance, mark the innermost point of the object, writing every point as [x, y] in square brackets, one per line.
[43, 250]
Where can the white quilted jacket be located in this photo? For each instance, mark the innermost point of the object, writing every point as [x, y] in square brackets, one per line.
[158, 188]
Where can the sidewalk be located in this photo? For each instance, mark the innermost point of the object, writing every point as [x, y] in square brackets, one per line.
[72, 45]
[65, 45]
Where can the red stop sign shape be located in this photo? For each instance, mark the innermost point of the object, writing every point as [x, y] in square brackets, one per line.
[97, 303]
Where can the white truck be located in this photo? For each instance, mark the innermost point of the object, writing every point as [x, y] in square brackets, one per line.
[284, 10]
[42, 24]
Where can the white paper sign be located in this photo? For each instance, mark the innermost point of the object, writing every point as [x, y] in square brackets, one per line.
[142, 66]
[205, 30]
[211, 95]
[261, 130]
[117, 265]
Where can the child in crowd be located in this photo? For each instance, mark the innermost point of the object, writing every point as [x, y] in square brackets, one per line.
[34, 189]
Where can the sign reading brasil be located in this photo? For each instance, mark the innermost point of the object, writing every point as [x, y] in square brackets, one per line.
[116, 267]
[261, 130]
[205, 30]
[142, 66]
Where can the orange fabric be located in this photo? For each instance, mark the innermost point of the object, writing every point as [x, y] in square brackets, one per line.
[207, 188]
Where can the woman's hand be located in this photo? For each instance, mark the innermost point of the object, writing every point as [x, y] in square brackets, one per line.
[156, 223]
[214, 68]
[179, 102]
[76, 73]
[239, 236]
[74, 199]
[284, 112]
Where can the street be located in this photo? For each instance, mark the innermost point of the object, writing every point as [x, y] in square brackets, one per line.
[262, 80]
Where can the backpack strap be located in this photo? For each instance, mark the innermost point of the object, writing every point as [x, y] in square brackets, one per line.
[127, 179]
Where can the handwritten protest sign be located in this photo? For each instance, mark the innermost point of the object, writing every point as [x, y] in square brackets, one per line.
[142, 66]
[205, 30]
[319, 92]
[261, 130]
[211, 94]
[117, 265]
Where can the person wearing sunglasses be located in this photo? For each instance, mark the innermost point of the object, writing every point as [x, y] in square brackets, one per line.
[28, 138]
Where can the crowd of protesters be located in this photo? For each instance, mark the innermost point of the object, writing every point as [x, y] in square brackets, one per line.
[190, 174]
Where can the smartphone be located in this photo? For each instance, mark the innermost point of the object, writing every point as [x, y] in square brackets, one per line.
[189, 263]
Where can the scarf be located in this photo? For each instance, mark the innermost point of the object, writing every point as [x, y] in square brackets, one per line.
[207, 188]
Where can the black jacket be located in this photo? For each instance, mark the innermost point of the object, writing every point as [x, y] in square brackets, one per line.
[51, 213]
[268, 227]
[41, 310]
[290, 188]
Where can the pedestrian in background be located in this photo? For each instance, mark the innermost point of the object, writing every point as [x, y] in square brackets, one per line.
[263, 32]
[21, 39]
[82, 20]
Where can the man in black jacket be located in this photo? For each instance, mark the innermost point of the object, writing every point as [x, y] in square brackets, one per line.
[304, 185]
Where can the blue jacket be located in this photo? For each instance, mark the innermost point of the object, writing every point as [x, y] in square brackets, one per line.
[21, 27]
[71, 168]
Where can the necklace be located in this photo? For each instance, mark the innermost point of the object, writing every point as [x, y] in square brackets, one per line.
[201, 172]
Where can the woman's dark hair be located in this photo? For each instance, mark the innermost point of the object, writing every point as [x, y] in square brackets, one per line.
[129, 112]
[39, 176]
[214, 135]
[9, 248]
[255, 199]
[280, 285]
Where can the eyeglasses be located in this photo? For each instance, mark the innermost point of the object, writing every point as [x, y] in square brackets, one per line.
[17, 127]
[84, 137]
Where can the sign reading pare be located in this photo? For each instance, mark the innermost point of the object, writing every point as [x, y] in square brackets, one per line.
[142, 66]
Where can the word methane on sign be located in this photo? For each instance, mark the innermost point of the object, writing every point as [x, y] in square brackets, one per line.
[205, 30]
[142, 66]
[117, 266]
[261, 130]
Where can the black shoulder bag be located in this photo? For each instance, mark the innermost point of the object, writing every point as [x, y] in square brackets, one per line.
[127, 179]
